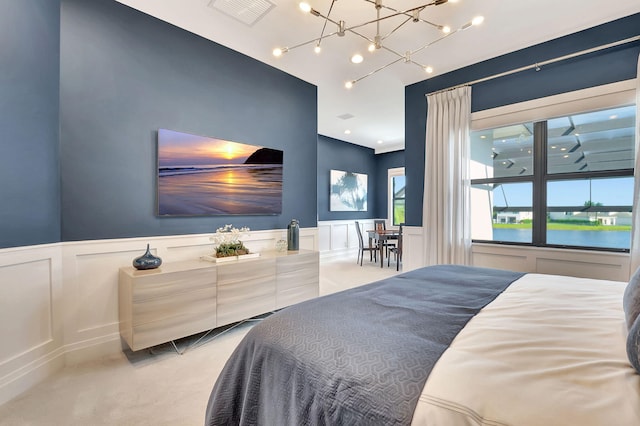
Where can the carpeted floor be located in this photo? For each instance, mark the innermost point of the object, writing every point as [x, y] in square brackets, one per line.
[157, 387]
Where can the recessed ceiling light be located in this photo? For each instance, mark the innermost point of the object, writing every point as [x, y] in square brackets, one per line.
[565, 156]
[347, 132]
[563, 149]
[379, 141]
[612, 117]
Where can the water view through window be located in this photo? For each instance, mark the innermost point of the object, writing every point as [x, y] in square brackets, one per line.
[583, 187]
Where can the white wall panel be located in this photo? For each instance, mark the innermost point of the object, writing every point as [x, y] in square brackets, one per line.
[59, 302]
[30, 317]
[613, 266]
[27, 321]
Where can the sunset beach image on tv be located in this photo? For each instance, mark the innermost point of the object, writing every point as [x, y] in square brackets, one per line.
[204, 176]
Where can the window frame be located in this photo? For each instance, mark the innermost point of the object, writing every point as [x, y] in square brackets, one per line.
[391, 173]
[538, 112]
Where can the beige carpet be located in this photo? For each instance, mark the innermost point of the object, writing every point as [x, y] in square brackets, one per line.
[158, 388]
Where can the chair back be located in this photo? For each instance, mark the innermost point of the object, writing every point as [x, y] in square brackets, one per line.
[360, 240]
[379, 224]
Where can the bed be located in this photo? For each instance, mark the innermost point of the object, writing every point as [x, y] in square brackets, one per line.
[442, 345]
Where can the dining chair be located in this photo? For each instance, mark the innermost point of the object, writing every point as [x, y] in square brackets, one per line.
[381, 224]
[373, 253]
[397, 250]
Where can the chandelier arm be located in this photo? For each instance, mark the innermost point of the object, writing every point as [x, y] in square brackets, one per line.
[418, 64]
[361, 35]
[325, 21]
[434, 41]
[318, 39]
[411, 16]
[401, 56]
[393, 15]
[397, 28]
[376, 70]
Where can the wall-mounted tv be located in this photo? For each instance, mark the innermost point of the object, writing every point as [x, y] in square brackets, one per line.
[205, 176]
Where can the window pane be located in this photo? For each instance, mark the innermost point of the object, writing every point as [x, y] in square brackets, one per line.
[505, 151]
[398, 199]
[502, 212]
[590, 212]
[601, 140]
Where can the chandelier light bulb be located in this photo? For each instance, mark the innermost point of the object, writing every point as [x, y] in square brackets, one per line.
[277, 52]
[372, 47]
[317, 49]
[446, 29]
[428, 69]
[477, 20]
[349, 84]
[357, 58]
[305, 7]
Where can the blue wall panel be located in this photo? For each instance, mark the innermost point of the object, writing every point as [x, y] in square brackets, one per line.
[339, 155]
[124, 75]
[594, 69]
[384, 162]
[29, 116]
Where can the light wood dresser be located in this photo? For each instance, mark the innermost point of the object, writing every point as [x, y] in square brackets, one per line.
[184, 298]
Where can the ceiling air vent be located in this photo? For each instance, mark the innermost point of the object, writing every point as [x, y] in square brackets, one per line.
[246, 11]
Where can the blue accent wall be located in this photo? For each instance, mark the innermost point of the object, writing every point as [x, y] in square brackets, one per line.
[335, 154]
[384, 162]
[124, 75]
[29, 112]
[608, 66]
[339, 155]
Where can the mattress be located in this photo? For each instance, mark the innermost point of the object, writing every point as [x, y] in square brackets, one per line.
[550, 350]
[484, 347]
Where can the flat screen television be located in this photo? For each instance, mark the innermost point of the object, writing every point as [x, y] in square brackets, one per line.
[205, 176]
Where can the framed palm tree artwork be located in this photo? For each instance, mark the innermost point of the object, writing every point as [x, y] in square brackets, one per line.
[348, 191]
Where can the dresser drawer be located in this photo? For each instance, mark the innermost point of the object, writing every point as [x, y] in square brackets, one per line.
[170, 284]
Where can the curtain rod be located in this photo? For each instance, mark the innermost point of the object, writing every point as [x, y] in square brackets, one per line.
[537, 65]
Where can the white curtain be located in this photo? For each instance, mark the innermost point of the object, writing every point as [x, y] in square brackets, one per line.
[446, 208]
[635, 236]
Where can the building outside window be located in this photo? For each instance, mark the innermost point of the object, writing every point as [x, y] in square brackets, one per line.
[562, 182]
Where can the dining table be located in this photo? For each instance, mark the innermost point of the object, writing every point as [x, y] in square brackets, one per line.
[379, 237]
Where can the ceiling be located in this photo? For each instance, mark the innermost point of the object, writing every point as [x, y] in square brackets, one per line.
[373, 109]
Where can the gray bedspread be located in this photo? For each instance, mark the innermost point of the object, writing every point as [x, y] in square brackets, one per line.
[358, 357]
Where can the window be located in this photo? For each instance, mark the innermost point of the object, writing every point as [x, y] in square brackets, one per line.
[396, 195]
[562, 182]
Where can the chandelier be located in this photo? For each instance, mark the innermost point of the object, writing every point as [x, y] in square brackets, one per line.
[377, 41]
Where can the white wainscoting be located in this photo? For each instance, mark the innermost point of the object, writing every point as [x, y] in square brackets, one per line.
[337, 237]
[579, 263]
[59, 302]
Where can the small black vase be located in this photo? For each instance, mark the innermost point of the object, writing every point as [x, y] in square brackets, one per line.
[147, 261]
[293, 235]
